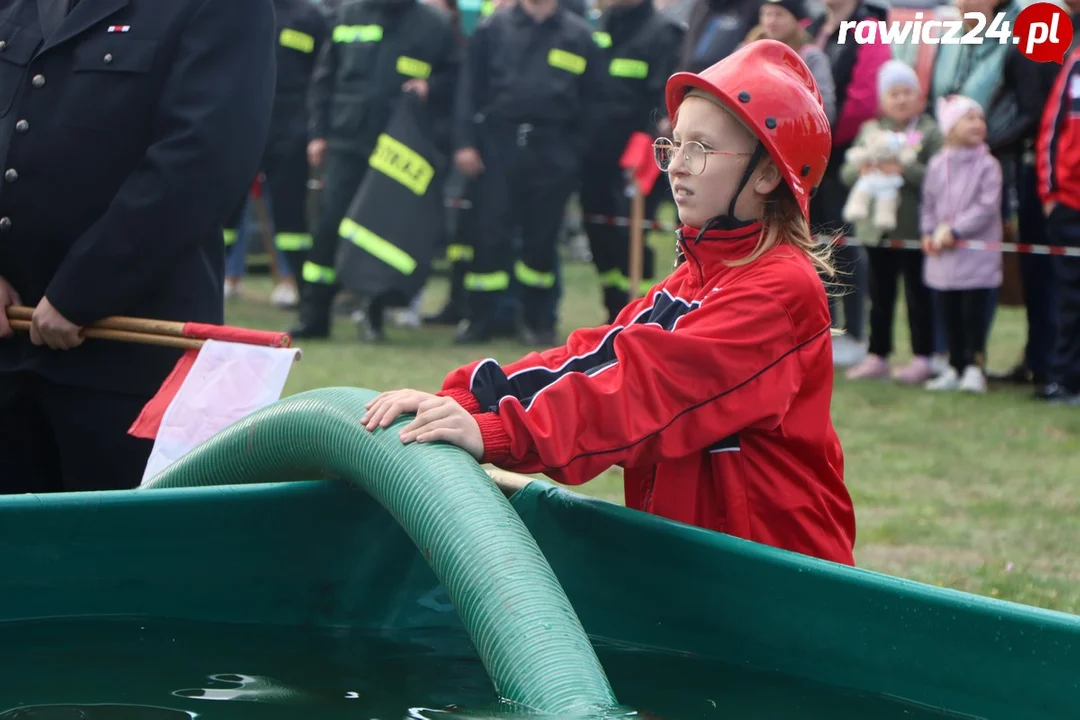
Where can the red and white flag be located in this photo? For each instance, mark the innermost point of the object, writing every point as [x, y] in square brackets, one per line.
[235, 373]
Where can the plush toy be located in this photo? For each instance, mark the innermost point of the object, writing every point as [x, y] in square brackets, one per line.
[875, 187]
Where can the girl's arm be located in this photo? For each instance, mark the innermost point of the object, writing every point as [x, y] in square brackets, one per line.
[474, 389]
[928, 220]
[985, 208]
[731, 365]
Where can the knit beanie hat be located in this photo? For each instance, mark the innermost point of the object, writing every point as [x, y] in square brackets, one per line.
[795, 7]
[949, 110]
[896, 72]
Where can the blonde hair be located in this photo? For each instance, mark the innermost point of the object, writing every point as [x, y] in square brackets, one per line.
[782, 222]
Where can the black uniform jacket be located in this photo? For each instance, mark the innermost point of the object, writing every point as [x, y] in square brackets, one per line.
[128, 136]
[519, 71]
[640, 49]
[377, 46]
[303, 29]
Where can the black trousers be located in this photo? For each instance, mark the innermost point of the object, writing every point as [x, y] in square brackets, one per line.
[1064, 229]
[342, 178]
[528, 177]
[603, 192]
[1037, 275]
[55, 438]
[967, 323]
[286, 172]
[887, 266]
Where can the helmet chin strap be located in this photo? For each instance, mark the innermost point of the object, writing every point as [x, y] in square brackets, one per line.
[729, 221]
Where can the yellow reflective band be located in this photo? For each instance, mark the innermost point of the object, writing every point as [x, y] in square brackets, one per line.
[379, 248]
[602, 39]
[567, 61]
[293, 241]
[616, 280]
[357, 33]
[413, 67]
[455, 253]
[296, 40]
[400, 162]
[319, 274]
[627, 68]
[533, 278]
[230, 237]
[487, 282]
[487, 8]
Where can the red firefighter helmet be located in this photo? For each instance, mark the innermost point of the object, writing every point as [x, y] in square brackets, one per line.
[768, 86]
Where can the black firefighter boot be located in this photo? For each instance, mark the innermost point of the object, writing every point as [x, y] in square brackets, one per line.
[479, 325]
[615, 299]
[455, 309]
[536, 330]
[314, 314]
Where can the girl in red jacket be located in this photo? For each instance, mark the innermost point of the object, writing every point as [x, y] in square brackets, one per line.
[713, 391]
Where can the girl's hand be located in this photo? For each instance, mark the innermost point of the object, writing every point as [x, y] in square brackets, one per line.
[437, 418]
[928, 244]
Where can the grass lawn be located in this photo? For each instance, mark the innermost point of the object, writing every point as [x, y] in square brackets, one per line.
[976, 493]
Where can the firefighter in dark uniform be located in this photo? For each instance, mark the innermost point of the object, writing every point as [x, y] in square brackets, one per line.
[526, 116]
[128, 128]
[641, 50]
[302, 30]
[378, 49]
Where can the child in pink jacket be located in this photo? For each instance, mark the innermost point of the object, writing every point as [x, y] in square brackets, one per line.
[961, 200]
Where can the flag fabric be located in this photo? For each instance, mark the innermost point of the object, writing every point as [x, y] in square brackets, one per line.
[149, 420]
[638, 158]
[218, 385]
[395, 224]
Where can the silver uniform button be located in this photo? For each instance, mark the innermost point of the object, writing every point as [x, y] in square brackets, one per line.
[11, 175]
[5, 224]
[107, 58]
[22, 127]
[3, 45]
[38, 81]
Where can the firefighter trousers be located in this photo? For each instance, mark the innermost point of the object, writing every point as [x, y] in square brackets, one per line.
[286, 191]
[603, 192]
[529, 173]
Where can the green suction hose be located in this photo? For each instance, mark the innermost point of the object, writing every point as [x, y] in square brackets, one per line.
[522, 624]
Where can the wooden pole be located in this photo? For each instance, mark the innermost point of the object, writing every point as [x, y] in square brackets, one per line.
[140, 338]
[148, 326]
[637, 239]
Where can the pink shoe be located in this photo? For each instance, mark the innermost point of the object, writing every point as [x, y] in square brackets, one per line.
[917, 372]
[873, 367]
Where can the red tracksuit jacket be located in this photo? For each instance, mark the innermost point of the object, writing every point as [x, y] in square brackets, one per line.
[1057, 150]
[712, 392]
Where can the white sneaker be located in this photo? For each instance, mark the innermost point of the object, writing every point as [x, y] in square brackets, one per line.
[973, 381]
[948, 380]
[939, 364]
[232, 288]
[847, 352]
[284, 295]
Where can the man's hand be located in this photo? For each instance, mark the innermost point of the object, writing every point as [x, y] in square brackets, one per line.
[315, 151]
[437, 418]
[418, 86]
[8, 297]
[49, 327]
[468, 161]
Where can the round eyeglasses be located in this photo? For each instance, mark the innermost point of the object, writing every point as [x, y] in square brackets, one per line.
[694, 154]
